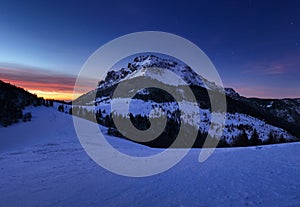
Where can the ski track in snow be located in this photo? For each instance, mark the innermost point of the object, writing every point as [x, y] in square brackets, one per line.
[43, 164]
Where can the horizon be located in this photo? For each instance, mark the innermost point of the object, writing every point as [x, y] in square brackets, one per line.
[64, 92]
[253, 45]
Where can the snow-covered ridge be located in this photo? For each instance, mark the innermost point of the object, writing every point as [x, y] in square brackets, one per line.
[139, 67]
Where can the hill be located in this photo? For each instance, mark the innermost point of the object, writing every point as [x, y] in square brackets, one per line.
[50, 168]
[13, 100]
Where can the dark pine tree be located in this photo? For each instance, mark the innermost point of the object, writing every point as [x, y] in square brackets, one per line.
[272, 138]
[241, 140]
[254, 140]
[282, 139]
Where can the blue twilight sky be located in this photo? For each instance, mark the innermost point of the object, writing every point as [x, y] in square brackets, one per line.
[255, 45]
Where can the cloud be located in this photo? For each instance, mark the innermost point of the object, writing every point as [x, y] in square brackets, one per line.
[284, 65]
[263, 91]
[37, 79]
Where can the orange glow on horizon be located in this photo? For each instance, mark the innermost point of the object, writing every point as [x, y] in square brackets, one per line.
[63, 96]
[55, 91]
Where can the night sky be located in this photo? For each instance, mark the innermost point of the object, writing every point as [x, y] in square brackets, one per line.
[255, 45]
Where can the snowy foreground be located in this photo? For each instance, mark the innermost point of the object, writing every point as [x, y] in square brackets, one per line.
[43, 164]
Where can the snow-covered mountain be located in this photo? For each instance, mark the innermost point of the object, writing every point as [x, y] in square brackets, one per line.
[164, 70]
[245, 117]
[140, 67]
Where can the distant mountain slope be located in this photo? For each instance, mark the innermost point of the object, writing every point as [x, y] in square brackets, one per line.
[284, 113]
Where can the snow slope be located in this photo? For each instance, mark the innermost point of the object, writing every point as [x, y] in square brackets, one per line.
[46, 125]
[161, 75]
[43, 164]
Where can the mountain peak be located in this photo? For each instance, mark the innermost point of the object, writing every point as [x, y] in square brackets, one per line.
[140, 63]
